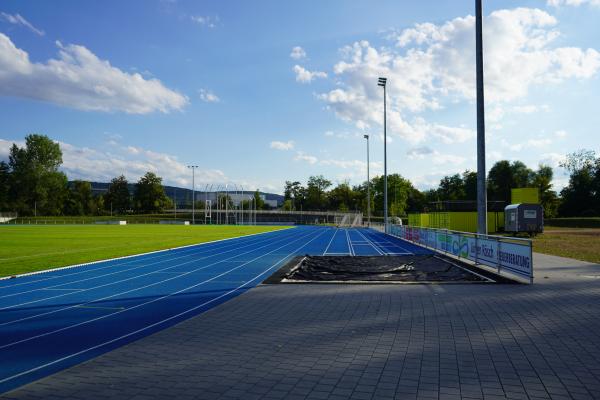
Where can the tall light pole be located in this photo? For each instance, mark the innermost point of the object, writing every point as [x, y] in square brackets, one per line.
[368, 185]
[481, 185]
[383, 82]
[193, 168]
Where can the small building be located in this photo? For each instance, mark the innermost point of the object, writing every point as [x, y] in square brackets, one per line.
[525, 217]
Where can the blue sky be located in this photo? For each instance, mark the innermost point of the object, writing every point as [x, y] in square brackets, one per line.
[260, 92]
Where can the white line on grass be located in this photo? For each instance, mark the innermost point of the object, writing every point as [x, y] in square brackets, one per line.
[186, 253]
[116, 259]
[160, 322]
[137, 288]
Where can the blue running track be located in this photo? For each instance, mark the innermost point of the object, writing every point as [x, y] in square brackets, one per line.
[54, 320]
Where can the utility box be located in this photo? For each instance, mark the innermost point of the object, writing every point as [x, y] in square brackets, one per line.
[524, 217]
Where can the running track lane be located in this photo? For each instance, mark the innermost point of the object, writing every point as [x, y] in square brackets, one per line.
[51, 321]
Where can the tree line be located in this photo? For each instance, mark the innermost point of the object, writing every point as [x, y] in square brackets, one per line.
[31, 184]
[581, 197]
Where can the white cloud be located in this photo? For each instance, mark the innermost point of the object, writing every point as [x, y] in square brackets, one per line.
[207, 21]
[298, 53]
[81, 80]
[529, 144]
[104, 164]
[561, 134]
[208, 96]
[552, 159]
[301, 156]
[277, 145]
[434, 65]
[576, 3]
[419, 152]
[437, 158]
[17, 19]
[305, 76]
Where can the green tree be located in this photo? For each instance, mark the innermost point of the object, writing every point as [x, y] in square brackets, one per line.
[580, 197]
[470, 185]
[504, 176]
[80, 200]
[315, 192]
[399, 190]
[452, 188]
[117, 197]
[542, 179]
[4, 186]
[149, 196]
[342, 198]
[258, 201]
[36, 185]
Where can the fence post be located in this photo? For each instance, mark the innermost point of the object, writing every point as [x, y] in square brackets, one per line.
[498, 255]
[476, 248]
[531, 261]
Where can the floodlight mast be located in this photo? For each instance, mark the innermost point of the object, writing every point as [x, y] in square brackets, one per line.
[368, 185]
[383, 82]
[481, 184]
[193, 168]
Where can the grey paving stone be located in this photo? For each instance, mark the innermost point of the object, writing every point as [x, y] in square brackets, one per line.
[365, 342]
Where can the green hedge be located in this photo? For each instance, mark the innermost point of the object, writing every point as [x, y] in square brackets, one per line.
[573, 222]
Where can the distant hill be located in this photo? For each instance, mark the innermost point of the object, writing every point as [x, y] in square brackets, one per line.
[183, 196]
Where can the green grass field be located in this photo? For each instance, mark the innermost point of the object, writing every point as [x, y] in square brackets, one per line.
[577, 243]
[38, 247]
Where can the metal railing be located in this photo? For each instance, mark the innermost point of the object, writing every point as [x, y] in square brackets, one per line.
[511, 257]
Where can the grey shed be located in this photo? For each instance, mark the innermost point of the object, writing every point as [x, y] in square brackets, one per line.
[524, 218]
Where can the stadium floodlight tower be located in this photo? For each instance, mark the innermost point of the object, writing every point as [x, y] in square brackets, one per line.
[481, 185]
[383, 83]
[193, 168]
[368, 185]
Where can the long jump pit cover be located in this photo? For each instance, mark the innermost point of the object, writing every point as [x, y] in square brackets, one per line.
[372, 269]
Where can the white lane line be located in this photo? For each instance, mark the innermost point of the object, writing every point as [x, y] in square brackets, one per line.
[350, 249]
[156, 323]
[185, 253]
[150, 301]
[327, 248]
[370, 243]
[92, 263]
[142, 287]
[392, 244]
[127, 279]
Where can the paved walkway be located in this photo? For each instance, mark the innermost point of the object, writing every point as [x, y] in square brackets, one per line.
[366, 342]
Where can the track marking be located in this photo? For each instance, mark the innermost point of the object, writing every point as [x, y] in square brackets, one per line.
[350, 249]
[384, 238]
[93, 263]
[102, 308]
[134, 289]
[164, 320]
[371, 243]
[141, 304]
[124, 280]
[188, 253]
[330, 241]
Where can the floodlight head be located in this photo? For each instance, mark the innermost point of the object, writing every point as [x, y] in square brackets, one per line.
[366, 137]
[381, 82]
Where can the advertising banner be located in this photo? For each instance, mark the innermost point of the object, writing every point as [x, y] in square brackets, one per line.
[494, 251]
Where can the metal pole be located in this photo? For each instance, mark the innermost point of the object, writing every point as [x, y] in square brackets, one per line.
[242, 207]
[383, 83]
[481, 184]
[226, 204]
[193, 168]
[385, 198]
[368, 186]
